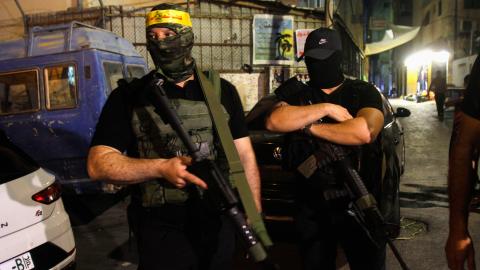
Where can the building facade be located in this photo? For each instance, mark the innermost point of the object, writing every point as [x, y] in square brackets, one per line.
[226, 36]
[447, 42]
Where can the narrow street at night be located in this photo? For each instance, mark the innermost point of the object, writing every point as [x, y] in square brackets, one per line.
[102, 243]
[150, 134]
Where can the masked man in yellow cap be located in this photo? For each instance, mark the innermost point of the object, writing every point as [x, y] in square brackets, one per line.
[131, 145]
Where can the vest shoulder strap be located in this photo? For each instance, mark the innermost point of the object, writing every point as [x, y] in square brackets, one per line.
[237, 174]
[214, 78]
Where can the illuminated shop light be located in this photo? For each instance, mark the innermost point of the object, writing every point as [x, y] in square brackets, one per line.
[426, 57]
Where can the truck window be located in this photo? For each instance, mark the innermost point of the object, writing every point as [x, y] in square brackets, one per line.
[134, 71]
[61, 86]
[19, 92]
[113, 73]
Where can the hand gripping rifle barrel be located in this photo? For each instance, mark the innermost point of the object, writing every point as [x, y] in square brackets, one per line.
[220, 190]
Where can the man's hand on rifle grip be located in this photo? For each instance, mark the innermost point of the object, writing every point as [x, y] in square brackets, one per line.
[175, 171]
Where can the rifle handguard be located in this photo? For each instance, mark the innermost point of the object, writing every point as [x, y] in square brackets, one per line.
[366, 201]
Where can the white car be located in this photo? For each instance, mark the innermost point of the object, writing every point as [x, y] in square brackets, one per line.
[35, 231]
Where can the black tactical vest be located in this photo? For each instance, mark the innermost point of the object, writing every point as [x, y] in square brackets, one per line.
[155, 139]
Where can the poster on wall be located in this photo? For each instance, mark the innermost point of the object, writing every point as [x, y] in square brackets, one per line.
[277, 75]
[280, 74]
[300, 37]
[272, 40]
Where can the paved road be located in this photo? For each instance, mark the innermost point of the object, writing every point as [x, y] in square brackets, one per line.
[102, 234]
[424, 184]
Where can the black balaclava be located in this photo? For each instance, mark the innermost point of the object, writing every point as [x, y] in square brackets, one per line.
[325, 73]
[173, 55]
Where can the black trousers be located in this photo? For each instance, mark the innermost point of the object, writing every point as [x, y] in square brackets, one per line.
[440, 102]
[176, 237]
[320, 229]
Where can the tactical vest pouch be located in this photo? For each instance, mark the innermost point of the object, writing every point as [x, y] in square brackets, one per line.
[152, 195]
[175, 196]
[155, 195]
[308, 167]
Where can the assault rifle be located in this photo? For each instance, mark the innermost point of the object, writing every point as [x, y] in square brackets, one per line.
[365, 205]
[219, 191]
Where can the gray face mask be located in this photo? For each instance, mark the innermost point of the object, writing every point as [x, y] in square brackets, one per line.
[173, 55]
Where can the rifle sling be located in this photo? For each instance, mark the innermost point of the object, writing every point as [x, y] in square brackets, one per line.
[237, 173]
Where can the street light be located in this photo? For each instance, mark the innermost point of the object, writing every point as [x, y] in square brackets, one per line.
[426, 57]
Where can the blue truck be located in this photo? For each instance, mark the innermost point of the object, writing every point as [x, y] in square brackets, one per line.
[53, 85]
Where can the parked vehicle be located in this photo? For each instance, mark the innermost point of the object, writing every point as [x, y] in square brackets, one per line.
[35, 231]
[278, 185]
[52, 88]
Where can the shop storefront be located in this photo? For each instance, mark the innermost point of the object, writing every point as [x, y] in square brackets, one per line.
[419, 69]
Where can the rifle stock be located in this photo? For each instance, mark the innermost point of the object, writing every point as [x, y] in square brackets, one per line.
[220, 191]
[363, 199]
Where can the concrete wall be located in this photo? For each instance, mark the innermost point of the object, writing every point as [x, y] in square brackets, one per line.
[438, 27]
[250, 87]
[460, 68]
[9, 10]
[11, 17]
[438, 33]
[440, 30]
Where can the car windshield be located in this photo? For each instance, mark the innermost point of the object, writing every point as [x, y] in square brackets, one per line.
[14, 163]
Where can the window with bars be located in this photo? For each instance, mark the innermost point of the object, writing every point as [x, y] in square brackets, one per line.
[317, 4]
[19, 92]
[113, 73]
[61, 87]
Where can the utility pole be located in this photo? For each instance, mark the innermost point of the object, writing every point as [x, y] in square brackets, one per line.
[103, 14]
[455, 30]
[24, 17]
[329, 13]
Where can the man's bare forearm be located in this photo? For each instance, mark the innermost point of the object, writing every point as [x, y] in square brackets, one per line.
[287, 118]
[249, 163]
[253, 178]
[459, 192]
[360, 130]
[108, 164]
[466, 132]
[350, 132]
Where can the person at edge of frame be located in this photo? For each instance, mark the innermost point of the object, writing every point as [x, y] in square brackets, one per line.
[174, 228]
[462, 173]
[342, 111]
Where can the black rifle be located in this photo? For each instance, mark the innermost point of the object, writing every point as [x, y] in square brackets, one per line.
[367, 212]
[219, 190]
